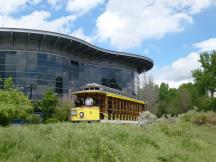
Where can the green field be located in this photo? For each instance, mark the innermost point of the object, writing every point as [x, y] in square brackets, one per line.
[162, 142]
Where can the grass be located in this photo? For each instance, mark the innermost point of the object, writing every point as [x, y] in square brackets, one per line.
[66, 142]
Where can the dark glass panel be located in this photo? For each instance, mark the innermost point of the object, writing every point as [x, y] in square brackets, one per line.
[42, 56]
[42, 63]
[32, 59]
[21, 67]
[2, 60]
[41, 82]
[20, 75]
[51, 70]
[2, 67]
[10, 60]
[9, 67]
[51, 58]
[21, 58]
[10, 74]
[2, 74]
[42, 69]
[74, 63]
[2, 54]
[10, 54]
[59, 85]
[31, 68]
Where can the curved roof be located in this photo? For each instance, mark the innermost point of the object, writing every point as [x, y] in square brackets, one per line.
[141, 63]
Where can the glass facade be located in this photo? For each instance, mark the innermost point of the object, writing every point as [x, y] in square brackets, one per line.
[39, 71]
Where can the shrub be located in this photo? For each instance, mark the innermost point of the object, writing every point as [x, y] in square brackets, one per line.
[199, 118]
[34, 119]
[168, 118]
[13, 104]
[146, 117]
[48, 103]
[62, 110]
[51, 120]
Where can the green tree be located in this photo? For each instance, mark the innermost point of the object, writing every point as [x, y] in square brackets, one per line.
[205, 80]
[63, 109]
[185, 99]
[167, 103]
[8, 84]
[163, 92]
[205, 77]
[48, 103]
[13, 104]
[163, 101]
[193, 90]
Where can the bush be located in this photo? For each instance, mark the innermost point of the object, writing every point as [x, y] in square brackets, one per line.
[13, 104]
[48, 103]
[34, 119]
[51, 120]
[199, 118]
[62, 110]
[146, 117]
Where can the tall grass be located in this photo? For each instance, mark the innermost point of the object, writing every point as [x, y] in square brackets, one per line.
[66, 142]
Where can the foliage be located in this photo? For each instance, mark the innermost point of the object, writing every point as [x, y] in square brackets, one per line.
[164, 92]
[51, 120]
[63, 108]
[13, 104]
[54, 107]
[8, 84]
[205, 77]
[167, 102]
[158, 142]
[199, 118]
[146, 118]
[48, 103]
[34, 119]
[176, 101]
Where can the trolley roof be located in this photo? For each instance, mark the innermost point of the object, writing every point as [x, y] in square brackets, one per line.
[109, 94]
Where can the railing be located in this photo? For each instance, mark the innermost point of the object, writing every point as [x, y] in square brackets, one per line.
[94, 86]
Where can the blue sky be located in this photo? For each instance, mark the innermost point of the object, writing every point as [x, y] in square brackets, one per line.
[171, 32]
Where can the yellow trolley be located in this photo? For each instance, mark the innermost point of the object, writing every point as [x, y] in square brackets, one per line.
[96, 102]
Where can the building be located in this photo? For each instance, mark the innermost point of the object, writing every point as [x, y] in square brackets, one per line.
[38, 60]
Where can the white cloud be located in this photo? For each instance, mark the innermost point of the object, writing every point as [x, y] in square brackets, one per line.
[10, 6]
[207, 45]
[55, 3]
[35, 1]
[81, 35]
[38, 20]
[126, 25]
[42, 19]
[173, 84]
[179, 71]
[82, 6]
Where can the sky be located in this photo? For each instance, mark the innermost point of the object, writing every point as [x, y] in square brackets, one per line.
[172, 33]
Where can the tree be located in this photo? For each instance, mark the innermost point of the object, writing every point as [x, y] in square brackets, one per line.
[163, 92]
[167, 101]
[163, 99]
[205, 77]
[184, 99]
[48, 103]
[13, 104]
[8, 84]
[63, 109]
[149, 93]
